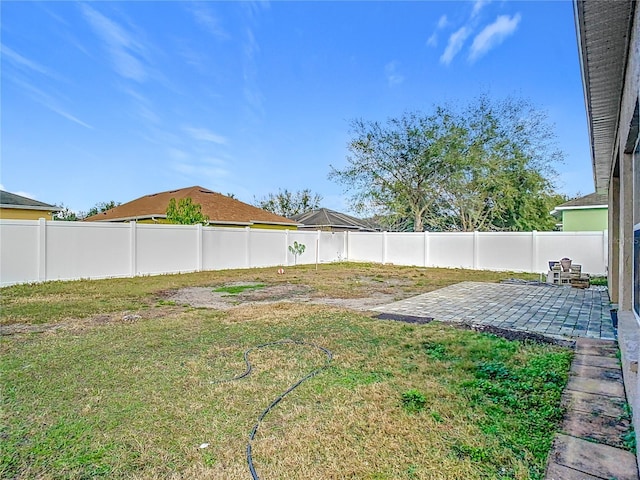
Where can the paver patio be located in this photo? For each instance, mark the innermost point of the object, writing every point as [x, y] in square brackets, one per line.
[556, 311]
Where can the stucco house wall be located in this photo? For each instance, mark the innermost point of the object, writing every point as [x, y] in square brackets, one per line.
[585, 220]
[24, 214]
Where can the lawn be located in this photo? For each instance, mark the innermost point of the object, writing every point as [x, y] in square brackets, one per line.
[147, 397]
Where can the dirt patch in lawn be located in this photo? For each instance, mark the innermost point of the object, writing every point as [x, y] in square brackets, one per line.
[208, 297]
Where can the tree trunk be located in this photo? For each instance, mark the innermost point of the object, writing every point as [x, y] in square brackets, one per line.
[417, 224]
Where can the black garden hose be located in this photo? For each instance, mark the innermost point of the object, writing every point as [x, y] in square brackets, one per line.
[266, 411]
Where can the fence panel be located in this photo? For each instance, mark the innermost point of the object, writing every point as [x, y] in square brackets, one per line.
[405, 248]
[504, 251]
[584, 248]
[166, 249]
[39, 250]
[365, 247]
[19, 251]
[452, 250]
[267, 247]
[224, 248]
[332, 246]
[87, 250]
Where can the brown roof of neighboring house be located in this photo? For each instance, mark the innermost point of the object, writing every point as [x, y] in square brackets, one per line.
[219, 208]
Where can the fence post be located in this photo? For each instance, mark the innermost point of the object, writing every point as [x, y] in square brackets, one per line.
[476, 248]
[248, 244]
[133, 248]
[347, 246]
[534, 250]
[42, 250]
[318, 249]
[425, 253]
[605, 251]
[286, 248]
[384, 247]
[199, 233]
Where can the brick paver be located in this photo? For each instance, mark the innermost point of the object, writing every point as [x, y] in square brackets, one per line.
[552, 310]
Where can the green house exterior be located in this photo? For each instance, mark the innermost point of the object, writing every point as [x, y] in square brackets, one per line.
[585, 220]
[584, 214]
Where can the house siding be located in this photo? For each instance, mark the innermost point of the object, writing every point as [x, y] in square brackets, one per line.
[585, 220]
[24, 214]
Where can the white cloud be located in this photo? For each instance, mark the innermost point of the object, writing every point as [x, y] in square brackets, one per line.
[49, 101]
[199, 171]
[178, 154]
[456, 42]
[443, 22]
[18, 192]
[126, 52]
[479, 5]
[493, 35]
[23, 62]
[392, 74]
[205, 135]
[206, 18]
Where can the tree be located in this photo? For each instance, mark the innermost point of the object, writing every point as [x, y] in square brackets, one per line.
[486, 167]
[287, 204]
[504, 173]
[395, 169]
[100, 207]
[185, 212]
[66, 214]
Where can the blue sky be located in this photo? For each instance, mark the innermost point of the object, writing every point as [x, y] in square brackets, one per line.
[115, 100]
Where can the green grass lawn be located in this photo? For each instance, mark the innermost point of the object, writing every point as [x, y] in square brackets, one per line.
[138, 399]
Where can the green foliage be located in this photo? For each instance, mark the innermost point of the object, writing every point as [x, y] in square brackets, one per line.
[287, 204]
[413, 401]
[598, 281]
[236, 289]
[485, 167]
[100, 207]
[66, 214]
[297, 249]
[185, 212]
[435, 350]
[70, 216]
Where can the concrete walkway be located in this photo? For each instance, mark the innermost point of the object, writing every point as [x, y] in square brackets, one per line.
[591, 441]
[551, 310]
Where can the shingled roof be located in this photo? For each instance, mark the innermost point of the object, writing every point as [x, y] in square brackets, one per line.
[11, 200]
[219, 208]
[593, 200]
[325, 219]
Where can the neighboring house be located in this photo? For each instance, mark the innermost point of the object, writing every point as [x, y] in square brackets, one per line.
[584, 214]
[17, 207]
[222, 211]
[331, 221]
[609, 41]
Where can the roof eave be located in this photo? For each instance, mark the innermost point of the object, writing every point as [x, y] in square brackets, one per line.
[32, 207]
[603, 30]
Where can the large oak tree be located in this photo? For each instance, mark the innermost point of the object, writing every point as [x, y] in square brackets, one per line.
[487, 166]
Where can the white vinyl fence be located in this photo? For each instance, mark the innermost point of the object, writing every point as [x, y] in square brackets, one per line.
[39, 250]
